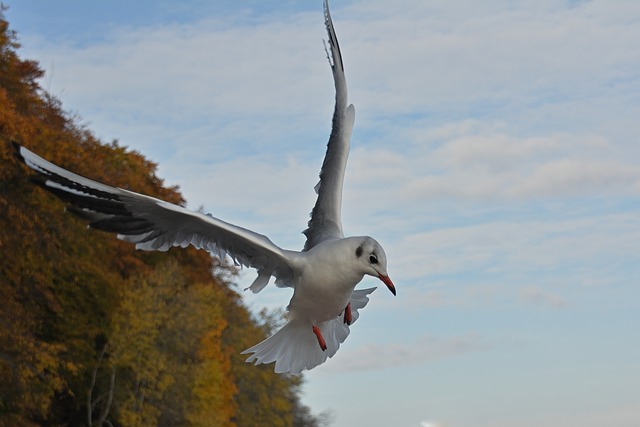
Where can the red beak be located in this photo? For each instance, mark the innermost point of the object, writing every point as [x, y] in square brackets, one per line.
[388, 282]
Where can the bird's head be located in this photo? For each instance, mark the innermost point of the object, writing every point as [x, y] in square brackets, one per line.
[374, 261]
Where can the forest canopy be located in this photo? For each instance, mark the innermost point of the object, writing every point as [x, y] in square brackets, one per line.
[95, 333]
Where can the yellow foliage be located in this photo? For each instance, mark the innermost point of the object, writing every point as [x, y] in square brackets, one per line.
[166, 337]
[174, 332]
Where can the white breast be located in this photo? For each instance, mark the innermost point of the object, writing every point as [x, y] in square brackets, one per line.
[328, 274]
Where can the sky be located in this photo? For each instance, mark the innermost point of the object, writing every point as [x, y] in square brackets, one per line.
[495, 156]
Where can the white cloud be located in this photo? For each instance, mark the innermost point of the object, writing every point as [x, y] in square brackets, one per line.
[477, 163]
[619, 415]
[574, 177]
[394, 355]
[536, 295]
[546, 262]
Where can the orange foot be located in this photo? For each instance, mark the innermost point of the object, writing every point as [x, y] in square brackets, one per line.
[348, 318]
[321, 341]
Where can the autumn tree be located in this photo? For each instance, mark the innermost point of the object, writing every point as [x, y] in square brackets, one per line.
[94, 332]
[166, 364]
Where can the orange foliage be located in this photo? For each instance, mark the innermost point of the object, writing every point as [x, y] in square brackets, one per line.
[79, 307]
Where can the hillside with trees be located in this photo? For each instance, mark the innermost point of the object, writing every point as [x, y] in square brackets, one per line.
[95, 333]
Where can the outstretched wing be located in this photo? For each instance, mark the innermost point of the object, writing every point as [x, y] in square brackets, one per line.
[325, 222]
[153, 224]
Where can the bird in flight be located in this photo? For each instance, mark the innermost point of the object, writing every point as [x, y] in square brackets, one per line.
[323, 275]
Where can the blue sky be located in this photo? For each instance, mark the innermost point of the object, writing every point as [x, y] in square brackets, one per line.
[495, 156]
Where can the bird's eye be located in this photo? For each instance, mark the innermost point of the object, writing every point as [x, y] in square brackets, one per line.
[373, 259]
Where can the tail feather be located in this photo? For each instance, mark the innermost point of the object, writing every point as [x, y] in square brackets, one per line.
[295, 348]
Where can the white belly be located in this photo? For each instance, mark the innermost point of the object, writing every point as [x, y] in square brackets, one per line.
[318, 303]
[324, 287]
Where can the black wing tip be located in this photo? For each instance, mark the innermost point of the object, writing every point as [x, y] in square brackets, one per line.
[333, 39]
[38, 179]
[17, 150]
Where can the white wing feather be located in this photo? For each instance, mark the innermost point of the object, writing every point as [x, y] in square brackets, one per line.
[153, 224]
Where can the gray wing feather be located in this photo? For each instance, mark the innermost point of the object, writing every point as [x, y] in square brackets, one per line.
[325, 222]
[152, 224]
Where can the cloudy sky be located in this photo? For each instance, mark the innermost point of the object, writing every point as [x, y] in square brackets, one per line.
[495, 155]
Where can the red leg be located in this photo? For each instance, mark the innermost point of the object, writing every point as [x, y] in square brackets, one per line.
[347, 314]
[323, 344]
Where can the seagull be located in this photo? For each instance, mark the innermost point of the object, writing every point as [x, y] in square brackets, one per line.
[323, 275]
